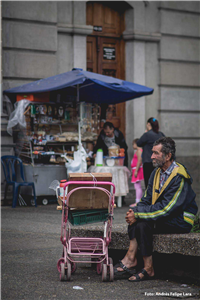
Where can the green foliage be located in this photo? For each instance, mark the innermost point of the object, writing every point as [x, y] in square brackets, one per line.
[196, 226]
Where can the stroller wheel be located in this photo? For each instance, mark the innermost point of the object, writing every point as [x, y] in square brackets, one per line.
[61, 260]
[104, 272]
[110, 260]
[99, 268]
[62, 272]
[111, 269]
[74, 267]
[68, 271]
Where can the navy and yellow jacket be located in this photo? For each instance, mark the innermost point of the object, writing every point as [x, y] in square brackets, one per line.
[175, 203]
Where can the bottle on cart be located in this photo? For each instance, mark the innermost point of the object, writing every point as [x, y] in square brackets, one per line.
[99, 157]
[62, 183]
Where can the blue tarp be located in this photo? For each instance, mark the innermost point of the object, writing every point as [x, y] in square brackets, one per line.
[93, 87]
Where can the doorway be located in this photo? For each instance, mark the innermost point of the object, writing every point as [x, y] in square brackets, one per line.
[106, 51]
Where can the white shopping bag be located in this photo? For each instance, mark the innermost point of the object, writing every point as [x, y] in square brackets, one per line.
[79, 164]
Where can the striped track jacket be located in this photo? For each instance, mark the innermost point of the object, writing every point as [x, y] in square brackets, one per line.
[175, 203]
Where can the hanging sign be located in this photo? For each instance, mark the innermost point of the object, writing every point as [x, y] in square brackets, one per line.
[109, 53]
[97, 28]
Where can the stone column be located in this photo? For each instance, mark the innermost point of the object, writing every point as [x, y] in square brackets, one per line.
[139, 69]
[1, 108]
[135, 109]
[139, 114]
[72, 33]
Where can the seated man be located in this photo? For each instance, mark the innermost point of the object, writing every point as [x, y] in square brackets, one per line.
[107, 137]
[168, 206]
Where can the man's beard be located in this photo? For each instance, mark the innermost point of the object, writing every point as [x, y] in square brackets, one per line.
[159, 163]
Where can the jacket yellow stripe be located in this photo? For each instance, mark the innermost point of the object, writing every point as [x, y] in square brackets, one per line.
[165, 209]
[188, 220]
[156, 183]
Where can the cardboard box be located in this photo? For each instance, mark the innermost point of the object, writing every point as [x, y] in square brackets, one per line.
[89, 198]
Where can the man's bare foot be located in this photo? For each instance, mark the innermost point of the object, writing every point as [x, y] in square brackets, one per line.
[128, 263]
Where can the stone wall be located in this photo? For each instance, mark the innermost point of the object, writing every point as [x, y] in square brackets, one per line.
[1, 57]
[45, 38]
[192, 163]
[180, 82]
[179, 75]
[163, 52]
[41, 39]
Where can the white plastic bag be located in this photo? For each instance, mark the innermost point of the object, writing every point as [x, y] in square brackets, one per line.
[55, 185]
[17, 116]
[79, 164]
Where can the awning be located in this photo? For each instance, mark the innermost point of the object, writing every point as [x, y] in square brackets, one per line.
[89, 87]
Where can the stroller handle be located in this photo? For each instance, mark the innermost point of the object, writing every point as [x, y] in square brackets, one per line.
[95, 183]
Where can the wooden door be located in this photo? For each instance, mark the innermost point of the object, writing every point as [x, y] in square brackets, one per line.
[105, 49]
[108, 57]
[92, 54]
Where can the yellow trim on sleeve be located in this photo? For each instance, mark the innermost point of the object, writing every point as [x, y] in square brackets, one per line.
[165, 209]
[188, 220]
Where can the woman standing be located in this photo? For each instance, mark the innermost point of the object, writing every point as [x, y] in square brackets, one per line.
[146, 141]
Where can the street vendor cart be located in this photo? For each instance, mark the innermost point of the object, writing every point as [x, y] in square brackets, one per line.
[61, 114]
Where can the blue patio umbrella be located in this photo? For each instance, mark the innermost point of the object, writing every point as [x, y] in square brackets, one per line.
[87, 86]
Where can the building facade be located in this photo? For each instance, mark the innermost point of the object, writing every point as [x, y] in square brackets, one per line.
[153, 43]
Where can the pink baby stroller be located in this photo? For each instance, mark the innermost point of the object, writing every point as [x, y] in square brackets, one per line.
[89, 199]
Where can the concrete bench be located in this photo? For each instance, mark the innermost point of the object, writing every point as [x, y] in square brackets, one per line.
[185, 244]
[176, 256]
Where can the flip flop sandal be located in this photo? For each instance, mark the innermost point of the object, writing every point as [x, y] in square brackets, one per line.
[121, 265]
[117, 265]
[125, 273]
[145, 277]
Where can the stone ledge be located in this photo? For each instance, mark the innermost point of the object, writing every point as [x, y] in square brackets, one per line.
[185, 244]
[141, 36]
[75, 29]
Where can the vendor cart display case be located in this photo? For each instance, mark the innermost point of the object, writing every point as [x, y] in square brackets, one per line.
[46, 138]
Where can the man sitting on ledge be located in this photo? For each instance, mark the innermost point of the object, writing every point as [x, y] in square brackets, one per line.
[167, 206]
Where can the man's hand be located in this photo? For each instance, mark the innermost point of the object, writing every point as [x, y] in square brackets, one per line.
[130, 217]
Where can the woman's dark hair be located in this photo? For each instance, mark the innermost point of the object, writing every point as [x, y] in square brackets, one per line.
[154, 124]
[168, 146]
[135, 141]
[108, 124]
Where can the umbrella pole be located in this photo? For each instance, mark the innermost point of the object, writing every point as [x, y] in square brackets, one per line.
[79, 134]
[80, 118]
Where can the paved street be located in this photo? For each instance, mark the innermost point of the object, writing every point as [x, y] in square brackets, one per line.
[30, 248]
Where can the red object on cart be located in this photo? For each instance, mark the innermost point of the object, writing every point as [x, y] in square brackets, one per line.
[38, 97]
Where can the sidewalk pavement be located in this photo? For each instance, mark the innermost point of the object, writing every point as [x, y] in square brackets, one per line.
[31, 247]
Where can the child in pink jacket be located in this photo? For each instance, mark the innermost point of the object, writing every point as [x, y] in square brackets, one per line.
[137, 171]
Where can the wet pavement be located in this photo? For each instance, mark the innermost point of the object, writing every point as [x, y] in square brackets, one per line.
[31, 247]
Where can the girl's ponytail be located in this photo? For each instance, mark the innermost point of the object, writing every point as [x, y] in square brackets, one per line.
[154, 124]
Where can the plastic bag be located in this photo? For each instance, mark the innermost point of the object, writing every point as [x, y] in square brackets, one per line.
[79, 164]
[55, 185]
[17, 116]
